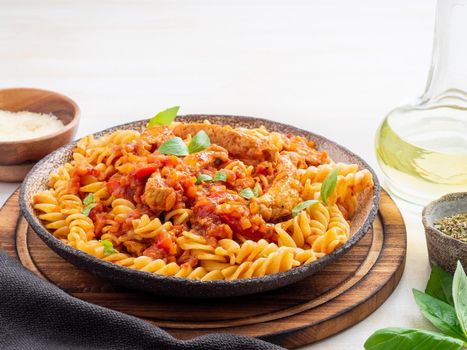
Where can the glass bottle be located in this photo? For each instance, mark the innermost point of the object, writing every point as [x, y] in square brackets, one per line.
[422, 147]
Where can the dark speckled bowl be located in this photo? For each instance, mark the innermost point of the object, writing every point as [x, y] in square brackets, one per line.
[37, 181]
[443, 250]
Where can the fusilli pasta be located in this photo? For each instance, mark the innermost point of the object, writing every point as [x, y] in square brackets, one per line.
[242, 203]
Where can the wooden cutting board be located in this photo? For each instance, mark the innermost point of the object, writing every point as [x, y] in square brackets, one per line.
[332, 300]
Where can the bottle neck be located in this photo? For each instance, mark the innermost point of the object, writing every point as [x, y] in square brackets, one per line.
[447, 80]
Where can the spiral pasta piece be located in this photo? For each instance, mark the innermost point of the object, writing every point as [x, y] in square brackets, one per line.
[294, 232]
[98, 189]
[147, 228]
[278, 261]
[199, 273]
[250, 250]
[336, 234]
[81, 228]
[179, 216]
[47, 203]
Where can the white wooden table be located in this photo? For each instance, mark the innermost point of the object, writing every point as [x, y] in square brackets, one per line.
[335, 67]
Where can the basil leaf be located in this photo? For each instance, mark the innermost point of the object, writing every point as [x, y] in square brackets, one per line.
[108, 247]
[247, 193]
[256, 190]
[220, 176]
[439, 285]
[165, 117]
[89, 199]
[175, 146]
[88, 208]
[202, 178]
[440, 314]
[459, 294]
[303, 205]
[410, 339]
[199, 142]
[328, 186]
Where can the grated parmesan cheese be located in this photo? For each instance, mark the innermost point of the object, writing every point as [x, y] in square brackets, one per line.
[16, 126]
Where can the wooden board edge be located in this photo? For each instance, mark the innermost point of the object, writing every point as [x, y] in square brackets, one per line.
[347, 318]
[11, 250]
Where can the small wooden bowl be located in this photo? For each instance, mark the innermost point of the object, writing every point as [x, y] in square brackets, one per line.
[18, 157]
[444, 250]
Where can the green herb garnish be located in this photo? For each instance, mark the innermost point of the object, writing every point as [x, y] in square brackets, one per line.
[328, 186]
[439, 313]
[459, 295]
[108, 247]
[454, 226]
[303, 205]
[409, 339]
[220, 176]
[439, 285]
[88, 208]
[174, 146]
[89, 199]
[165, 117]
[199, 142]
[90, 202]
[177, 147]
[202, 178]
[446, 310]
[247, 193]
[256, 190]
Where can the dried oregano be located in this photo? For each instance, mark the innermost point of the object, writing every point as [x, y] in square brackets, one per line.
[454, 226]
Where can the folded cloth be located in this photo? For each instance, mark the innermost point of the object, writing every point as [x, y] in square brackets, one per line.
[35, 314]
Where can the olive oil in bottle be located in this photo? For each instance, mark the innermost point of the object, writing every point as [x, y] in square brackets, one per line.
[423, 153]
[422, 148]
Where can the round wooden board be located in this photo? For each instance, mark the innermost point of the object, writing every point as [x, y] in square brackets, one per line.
[332, 300]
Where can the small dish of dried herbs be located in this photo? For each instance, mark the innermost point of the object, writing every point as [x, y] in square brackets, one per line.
[445, 222]
[454, 226]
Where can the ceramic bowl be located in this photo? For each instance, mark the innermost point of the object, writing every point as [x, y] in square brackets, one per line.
[443, 250]
[37, 181]
[18, 157]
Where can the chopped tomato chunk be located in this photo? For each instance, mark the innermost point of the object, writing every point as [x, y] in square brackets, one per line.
[146, 171]
[165, 243]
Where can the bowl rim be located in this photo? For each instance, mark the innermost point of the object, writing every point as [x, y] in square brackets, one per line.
[72, 124]
[428, 211]
[302, 270]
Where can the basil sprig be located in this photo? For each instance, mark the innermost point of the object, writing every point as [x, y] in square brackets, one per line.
[203, 178]
[409, 339]
[89, 202]
[247, 193]
[328, 186]
[89, 199]
[303, 205]
[177, 147]
[445, 309]
[220, 176]
[165, 117]
[441, 315]
[108, 247]
[459, 295]
[256, 190]
[174, 146]
[199, 142]
[440, 285]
